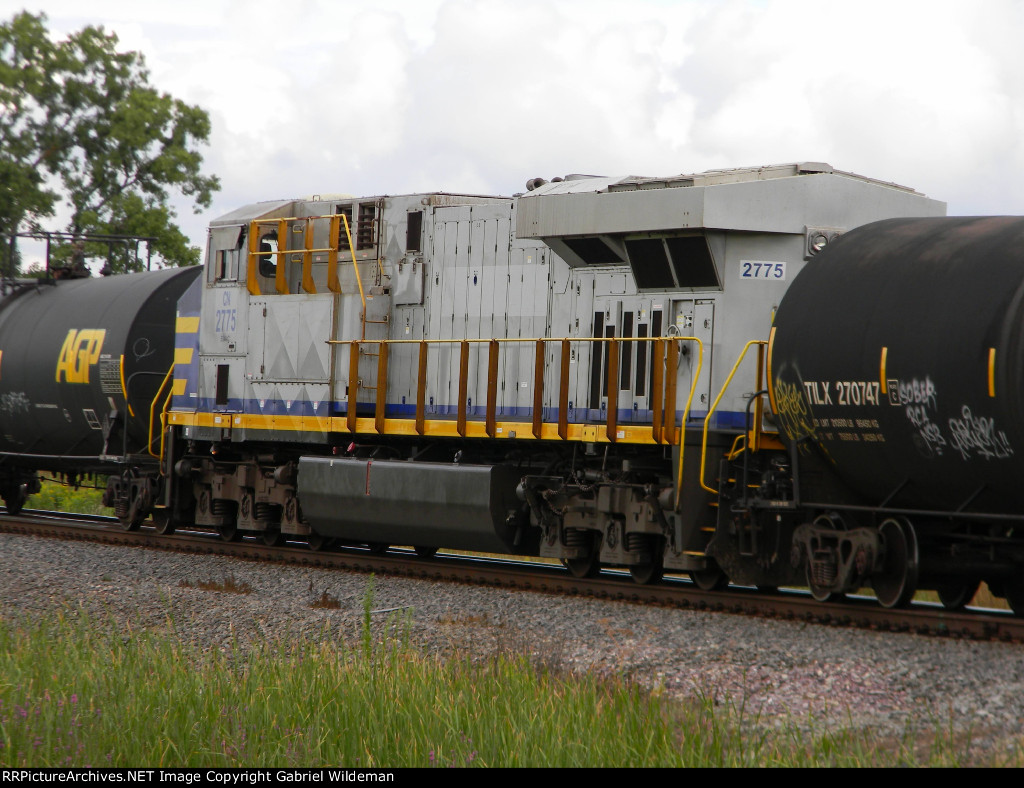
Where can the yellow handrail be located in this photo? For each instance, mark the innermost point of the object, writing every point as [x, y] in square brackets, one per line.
[152, 408]
[714, 407]
[686, 415]
[678, 434]
[307, 251]
[355, 265]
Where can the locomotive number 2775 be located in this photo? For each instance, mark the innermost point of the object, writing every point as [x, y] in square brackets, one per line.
[225, 320]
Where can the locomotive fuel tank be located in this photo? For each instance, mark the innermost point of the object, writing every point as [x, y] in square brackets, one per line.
[69, 351]
[898, 355]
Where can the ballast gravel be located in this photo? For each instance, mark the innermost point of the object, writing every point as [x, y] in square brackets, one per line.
[820, 677]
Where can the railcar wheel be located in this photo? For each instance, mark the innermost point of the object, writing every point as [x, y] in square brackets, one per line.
[896, 584]
[821, 593]
[273, 538]
[956, 596]
[131, 521]
[230, 533]
[377, 548]
[162, 521]
[15, 497]
[425, 552]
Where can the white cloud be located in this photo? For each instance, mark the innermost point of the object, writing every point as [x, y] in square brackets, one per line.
[459, 95]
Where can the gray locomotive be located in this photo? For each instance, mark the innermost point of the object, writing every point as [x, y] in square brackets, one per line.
[582, 371]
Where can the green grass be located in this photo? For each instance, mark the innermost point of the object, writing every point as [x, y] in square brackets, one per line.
[75, 691]
[57, 497]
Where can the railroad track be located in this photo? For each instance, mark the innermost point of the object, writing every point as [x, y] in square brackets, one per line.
[677, 592]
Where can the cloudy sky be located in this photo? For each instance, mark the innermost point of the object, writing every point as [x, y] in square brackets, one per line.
[392, 96]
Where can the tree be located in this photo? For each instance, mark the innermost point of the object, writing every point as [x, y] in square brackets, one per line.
[80, 123]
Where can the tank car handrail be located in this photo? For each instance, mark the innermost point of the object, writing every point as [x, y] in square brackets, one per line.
[152, 408]
[761, 343]
[124, 389]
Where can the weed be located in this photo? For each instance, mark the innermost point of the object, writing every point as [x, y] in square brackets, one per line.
[326, 602]
[228, 585]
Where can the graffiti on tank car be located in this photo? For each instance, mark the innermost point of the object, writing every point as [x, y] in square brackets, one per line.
[917, 392]
[792, 410]
[14, 403]
[978, 435]
[931, 440]
[920, 397]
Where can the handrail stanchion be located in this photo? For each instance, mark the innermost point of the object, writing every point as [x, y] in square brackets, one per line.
[657, 388]
[421, 389]
[613, 389]
[563, 392]
[353, 383]
[671, 371]
[382, 387]
[492, 388]
[463, 387]
[538, 390]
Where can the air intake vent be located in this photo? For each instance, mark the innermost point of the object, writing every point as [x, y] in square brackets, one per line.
[671, 263]
[593, 251]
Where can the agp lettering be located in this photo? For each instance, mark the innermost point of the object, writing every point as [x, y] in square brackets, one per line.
[80, 351]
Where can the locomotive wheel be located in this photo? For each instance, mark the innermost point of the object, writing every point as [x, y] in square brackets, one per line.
[710, 579]
[425, 552]
[896, 584]
[230, 533]
[956, 596]
[646, 574]
[317, 542]
[162, 521]
[588, 566]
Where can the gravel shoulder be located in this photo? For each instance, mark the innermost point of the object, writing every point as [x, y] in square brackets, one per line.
[816, 676]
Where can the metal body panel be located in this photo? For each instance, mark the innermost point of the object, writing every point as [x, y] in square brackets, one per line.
[750, 200]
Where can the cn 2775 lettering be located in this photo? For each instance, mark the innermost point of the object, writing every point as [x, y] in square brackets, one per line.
[842, 392]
